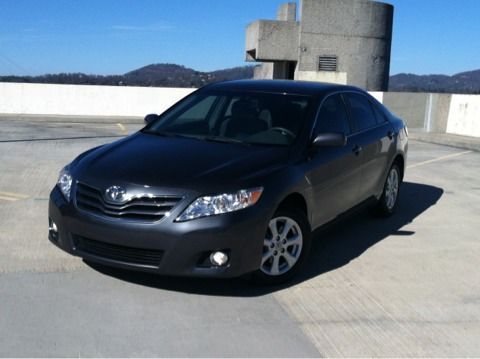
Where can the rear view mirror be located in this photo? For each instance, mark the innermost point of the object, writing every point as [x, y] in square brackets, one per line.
[150, 118]
[330, 140]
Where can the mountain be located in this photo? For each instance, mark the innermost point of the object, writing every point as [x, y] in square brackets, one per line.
[465, 82]
[158, 75]
[171, 75]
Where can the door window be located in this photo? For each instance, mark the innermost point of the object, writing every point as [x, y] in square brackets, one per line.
[361, 111]
[332, 117]
[380, 116]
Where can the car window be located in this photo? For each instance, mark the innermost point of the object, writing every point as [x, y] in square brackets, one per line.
[198, 111]
[361, 111]
[379, 115]
[249, 117]
[332, 117]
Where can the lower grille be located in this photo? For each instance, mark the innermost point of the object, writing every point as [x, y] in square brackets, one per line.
[129, 255]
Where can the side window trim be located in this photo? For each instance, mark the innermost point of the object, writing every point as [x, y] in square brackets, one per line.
[351, 122]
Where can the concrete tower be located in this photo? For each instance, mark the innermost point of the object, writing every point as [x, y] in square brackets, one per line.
[341, 41]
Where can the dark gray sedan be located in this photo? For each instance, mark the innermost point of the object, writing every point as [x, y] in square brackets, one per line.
[231, 180]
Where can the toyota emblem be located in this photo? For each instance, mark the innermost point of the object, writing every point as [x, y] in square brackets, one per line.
[116, 194]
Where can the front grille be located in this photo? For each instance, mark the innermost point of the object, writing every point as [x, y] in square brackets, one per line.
[135, 256]
[143, 208]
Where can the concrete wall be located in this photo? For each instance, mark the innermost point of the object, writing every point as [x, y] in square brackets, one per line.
[408, 106]
[322, 76]
[456, 114]
[354, 35]
[425, 111]
[43, 99]
[464, 115]
[358, 32]
[269, 40]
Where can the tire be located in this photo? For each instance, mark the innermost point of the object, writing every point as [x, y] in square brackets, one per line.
[284, 254]
[388, 202]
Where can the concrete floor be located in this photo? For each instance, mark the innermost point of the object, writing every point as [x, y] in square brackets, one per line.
[406, 286]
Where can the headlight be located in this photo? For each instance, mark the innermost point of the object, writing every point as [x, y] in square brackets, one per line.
[223, 203]
[64, 183]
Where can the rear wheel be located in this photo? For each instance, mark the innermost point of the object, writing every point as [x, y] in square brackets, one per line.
[388, 202]
[285, 247]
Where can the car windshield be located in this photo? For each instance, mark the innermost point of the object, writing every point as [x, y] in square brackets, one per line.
[251, 118]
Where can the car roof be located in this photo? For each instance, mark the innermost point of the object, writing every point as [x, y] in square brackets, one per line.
[281, 86]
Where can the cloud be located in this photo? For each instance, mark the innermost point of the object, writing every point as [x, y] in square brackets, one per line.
[143, 28]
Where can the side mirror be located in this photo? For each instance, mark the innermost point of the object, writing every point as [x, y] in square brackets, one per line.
[330, 140]
[150, 118]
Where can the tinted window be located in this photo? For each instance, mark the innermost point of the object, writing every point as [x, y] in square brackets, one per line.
[379, 115]
[361, 111]
[251, 117]
[198, 111]
[332, 117]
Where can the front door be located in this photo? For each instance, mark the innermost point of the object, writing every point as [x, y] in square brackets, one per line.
[334, 172]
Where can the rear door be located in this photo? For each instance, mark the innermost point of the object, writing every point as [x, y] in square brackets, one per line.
[373, 137]
[334, 172]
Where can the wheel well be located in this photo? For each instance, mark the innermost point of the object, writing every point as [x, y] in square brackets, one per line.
[400, 162]
[295, 200]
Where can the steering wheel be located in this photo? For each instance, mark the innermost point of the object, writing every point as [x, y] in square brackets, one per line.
[283, 131]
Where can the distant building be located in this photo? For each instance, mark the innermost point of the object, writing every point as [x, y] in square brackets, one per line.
[340, 41]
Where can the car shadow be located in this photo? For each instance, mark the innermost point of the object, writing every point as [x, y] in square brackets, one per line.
[334, 246]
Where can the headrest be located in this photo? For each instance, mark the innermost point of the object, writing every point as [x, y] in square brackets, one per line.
[243, 109]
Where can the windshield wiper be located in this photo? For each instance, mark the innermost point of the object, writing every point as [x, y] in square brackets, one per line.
[168, 134]
[223, 139]
[220, 139]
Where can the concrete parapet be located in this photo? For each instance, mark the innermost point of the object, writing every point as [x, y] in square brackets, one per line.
[85, 100]
[426, 112]
[464, 115]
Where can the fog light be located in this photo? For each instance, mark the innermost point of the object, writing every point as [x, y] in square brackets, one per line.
[219, 259]
[52, 230]
[52, 227]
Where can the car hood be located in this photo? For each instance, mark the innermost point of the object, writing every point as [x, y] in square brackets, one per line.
[149, 160]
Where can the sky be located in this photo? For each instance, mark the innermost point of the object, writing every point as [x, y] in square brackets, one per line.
[117, 36]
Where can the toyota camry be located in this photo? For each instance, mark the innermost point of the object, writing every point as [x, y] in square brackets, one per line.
[231, 180]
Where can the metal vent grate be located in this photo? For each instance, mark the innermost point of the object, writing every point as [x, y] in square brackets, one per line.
[327, 63]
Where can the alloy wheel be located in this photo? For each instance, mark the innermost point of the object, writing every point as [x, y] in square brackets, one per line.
[282, 246]
[391, 189]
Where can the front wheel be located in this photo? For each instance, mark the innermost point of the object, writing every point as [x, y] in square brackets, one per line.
[389, 199]
[285, 247]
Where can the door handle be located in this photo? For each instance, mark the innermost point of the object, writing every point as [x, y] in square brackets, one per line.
[357, 150]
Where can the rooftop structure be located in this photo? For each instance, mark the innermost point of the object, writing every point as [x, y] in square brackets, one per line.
[339, 41]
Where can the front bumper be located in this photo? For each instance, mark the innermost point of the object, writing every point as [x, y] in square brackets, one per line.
[178, 249]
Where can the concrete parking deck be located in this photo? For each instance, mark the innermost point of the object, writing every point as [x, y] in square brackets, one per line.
[405, 286]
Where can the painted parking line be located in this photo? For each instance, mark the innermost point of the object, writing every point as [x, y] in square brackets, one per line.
[12, 197]
[443, 158]
[122, 127]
